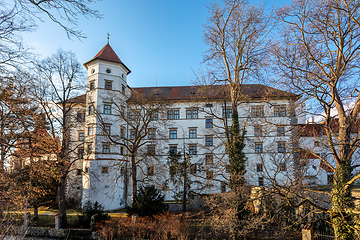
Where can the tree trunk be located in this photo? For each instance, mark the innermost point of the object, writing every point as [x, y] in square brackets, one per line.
[36, 212]
[133, 177]
[61, 195]
[184, 198]
[342, 203]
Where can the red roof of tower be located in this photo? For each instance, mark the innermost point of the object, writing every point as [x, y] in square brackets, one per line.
[107, 54]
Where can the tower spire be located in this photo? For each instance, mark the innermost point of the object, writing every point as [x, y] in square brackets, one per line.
[108, 37]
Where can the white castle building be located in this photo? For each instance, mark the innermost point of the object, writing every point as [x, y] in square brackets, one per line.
[187, 119]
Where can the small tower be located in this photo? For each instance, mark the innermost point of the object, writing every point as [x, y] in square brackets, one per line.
[106, 85]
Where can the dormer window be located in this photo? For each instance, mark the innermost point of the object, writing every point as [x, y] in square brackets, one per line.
[108, 70]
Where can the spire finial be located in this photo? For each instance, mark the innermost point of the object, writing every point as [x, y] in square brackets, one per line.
[108, 37]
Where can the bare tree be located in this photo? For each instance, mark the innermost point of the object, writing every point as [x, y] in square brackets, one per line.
[141, 118]
[318, 57]
[236, 32]
[60, 78]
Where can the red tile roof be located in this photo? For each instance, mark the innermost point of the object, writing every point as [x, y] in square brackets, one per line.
[107, 54]
[250, 91]
[310, 130]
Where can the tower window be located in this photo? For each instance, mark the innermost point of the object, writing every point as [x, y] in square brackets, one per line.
[80, 117]
[108, 70]
[106, 148]
[92, 85]
[107, 109]
[108, 85]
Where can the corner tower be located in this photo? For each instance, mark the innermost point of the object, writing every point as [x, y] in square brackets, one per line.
[106, 86]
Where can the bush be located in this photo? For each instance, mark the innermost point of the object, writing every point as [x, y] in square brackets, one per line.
[89, 210]
[166, 226]
[147, 202]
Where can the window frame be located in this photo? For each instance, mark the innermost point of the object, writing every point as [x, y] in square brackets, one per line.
[280, 110]
[258, 147]
[192, 133]
[209, 123]
[280, 131]
[258, 131]
[192, 149]
[81, 153]
[80, 117]
[106, 148]
[209, 159]
[281, 147]
[107, 109]
[209, 141]
[108, 85]
[172, 133]
[81, 136]
[257, 111]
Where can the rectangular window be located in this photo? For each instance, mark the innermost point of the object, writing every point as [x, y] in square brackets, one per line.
[257, 111]
[107, 129]
[107, 109]
[282, 167]
[92, 85]
[208, 141]
[173, 114]
[155, 116]
[81, 153]
[122, 132]
[209, 123]
[192, 150]
[280, 111]
[91, 109]
[209, 159]
[227, 112]
[281, 147]
[89, 148]
[151, 133]
[193, 169]
[209, 174]
[258, 147]
[80, 117]
[105, 170]
[257, 131]
[170, 114]
[192, 114]
[281, 131]
[150, 171]
[151, 150]
[81, 136]
[176, 114]
[173, 149]
[192, 133]
[173, 133]
[108, 85]
[121, 150]
[122, 89]
[106, 148]
[132, 134]
[209, 105]
[259, 167]
[78, 172]
[90, 131]
[261, 181]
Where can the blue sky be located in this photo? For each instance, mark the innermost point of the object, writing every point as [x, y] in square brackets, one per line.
[161, 41]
